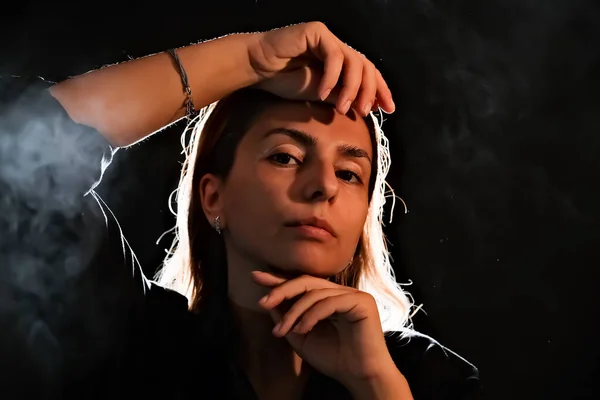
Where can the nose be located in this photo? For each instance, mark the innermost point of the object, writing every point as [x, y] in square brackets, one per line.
[321, 182]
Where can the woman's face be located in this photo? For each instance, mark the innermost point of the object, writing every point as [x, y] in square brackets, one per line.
[296, 198]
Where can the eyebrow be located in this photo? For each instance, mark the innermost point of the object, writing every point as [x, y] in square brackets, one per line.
[308, 140]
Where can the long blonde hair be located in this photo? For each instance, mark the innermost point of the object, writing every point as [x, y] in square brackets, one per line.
[194, 263]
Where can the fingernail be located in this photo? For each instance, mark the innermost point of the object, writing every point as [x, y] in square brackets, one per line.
[264, 299]
[325, 94]
[346, 106]
[276, 329]
[367, 108]
[393, 108]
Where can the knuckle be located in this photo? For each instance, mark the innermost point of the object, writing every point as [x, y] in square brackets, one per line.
[368, 298]
[318, 25]
[313, 28]
[370, 68]
[364, 296]
[328, 301]
[337, 56]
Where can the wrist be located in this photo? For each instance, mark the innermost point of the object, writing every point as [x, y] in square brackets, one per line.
[219, 67]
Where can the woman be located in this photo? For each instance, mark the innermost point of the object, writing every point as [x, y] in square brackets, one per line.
[280, 250]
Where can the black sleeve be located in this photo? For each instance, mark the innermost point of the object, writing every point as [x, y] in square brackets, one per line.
[41, 145]
[432, 370]
[70, 286]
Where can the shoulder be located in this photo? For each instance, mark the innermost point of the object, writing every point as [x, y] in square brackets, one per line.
[40, 138]
[431, 369]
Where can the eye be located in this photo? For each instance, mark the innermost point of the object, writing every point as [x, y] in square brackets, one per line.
[284, 159]
[348, 176]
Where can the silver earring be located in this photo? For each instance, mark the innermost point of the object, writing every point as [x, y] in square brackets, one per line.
[217, 224]
[350, 263]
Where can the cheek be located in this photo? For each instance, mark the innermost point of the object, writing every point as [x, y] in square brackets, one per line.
[353, 219]
[353, 213]
[252, 202]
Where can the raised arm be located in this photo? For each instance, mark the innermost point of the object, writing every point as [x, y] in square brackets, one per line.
[128, 101]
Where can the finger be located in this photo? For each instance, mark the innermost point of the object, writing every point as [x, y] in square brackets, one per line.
[301, 306]
[276, 315]
[384, 95]
[296, 340]
[331, 74]
[351, 78]
[375, 105]
[293, 288]
[334, 96]
[368, 89]
[314, 76]
[344, 304]
[326, 47]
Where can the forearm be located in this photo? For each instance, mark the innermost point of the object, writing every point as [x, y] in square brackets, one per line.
[129, 101]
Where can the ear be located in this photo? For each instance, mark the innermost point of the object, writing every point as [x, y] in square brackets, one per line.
[211, 197]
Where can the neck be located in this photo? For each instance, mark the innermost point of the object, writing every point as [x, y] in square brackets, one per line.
[270, 363]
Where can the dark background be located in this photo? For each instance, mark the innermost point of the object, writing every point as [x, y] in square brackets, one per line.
[494, 149]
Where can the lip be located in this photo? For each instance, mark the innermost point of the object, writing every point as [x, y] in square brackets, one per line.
[313, 222]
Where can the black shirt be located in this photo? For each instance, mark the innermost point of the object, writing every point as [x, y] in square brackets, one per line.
[78, 317]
